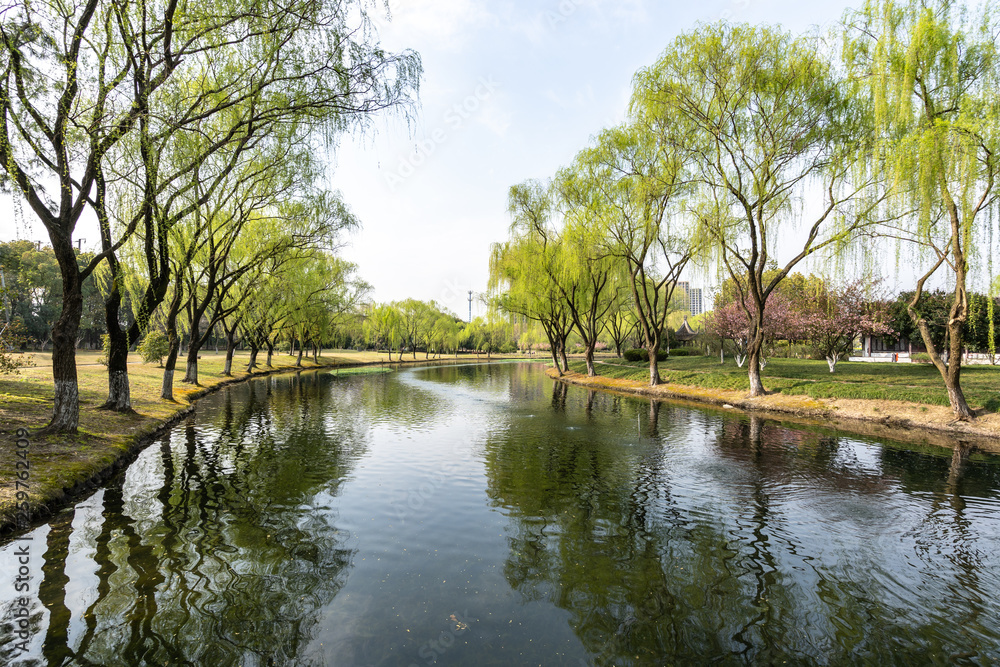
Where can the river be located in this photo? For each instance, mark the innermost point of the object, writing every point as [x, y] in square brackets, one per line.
[487, 515]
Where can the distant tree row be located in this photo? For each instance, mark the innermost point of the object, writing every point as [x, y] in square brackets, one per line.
[747, 148]
[413, 325]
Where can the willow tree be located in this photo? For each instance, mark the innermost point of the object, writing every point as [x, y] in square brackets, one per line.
[303, 69]
[764, 123]
[931, 69]
[521, 279]
[584, 271]
[325, 288]
[383, 327]
[68, 94]
[638, 180]
[76, 81]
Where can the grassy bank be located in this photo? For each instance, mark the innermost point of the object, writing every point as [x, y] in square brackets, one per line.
[62, 466]
[905, 402]
[913, 383]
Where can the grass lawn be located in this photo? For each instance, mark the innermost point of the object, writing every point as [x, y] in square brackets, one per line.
[916, 383]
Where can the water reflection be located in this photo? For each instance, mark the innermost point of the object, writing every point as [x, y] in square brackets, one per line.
[736, 537]
[487, 515]
[218, 546]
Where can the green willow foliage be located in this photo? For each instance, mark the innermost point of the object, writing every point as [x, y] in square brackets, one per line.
[123, 104]
[929, 71]
[751, 149]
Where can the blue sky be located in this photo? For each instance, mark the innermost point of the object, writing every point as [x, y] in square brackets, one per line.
[512, 90]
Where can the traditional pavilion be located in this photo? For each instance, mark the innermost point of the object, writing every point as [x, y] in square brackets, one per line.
[685, 334]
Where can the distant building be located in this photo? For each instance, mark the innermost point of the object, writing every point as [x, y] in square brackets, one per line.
[692, 297]
[695, 302]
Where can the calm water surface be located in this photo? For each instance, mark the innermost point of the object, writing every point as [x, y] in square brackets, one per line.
[484, 515]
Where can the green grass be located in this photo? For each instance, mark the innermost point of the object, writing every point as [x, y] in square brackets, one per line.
[915, 383]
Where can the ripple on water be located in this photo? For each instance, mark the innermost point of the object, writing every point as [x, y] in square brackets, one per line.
[366, 520]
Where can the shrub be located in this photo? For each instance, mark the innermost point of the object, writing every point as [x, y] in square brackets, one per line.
[685, 352]
[642, 355]
[154, 347]
[920, 358]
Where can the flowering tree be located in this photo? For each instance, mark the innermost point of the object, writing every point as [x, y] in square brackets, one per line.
[781, 320]
[840, 316]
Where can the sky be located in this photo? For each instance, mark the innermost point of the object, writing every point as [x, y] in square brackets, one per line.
[512, 90]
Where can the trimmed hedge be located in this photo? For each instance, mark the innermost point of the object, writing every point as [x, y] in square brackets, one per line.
[642, 355]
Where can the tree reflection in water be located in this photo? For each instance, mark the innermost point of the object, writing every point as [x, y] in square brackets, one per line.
[237, 554]
[556, 524]
[760, 542]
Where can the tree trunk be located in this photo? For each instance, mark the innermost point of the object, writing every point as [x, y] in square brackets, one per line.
[553, 350]
[167, 391]
[951, 372]
[66, 407]
[957, 316]
[831, 361]
[119, 396]
[230, 351]
[753, 371]
[654, 367]
[562, 354]
[270, 353]
[252, 364]
[755, 343]
[298, 362]
[191, 372]
[589, 356]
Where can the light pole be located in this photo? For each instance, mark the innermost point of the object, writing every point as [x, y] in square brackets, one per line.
[470, 306]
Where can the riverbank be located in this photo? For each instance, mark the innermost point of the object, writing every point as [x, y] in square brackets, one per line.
[917, 423]
[62, 467]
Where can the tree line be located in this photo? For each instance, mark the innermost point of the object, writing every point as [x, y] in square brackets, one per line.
[748, 150]
[412, 325]
[195, 134]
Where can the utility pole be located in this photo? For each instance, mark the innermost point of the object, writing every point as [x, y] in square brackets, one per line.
[79, 244]
[470, 306]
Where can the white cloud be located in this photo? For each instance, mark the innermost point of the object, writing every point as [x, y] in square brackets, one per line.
[445, 24]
